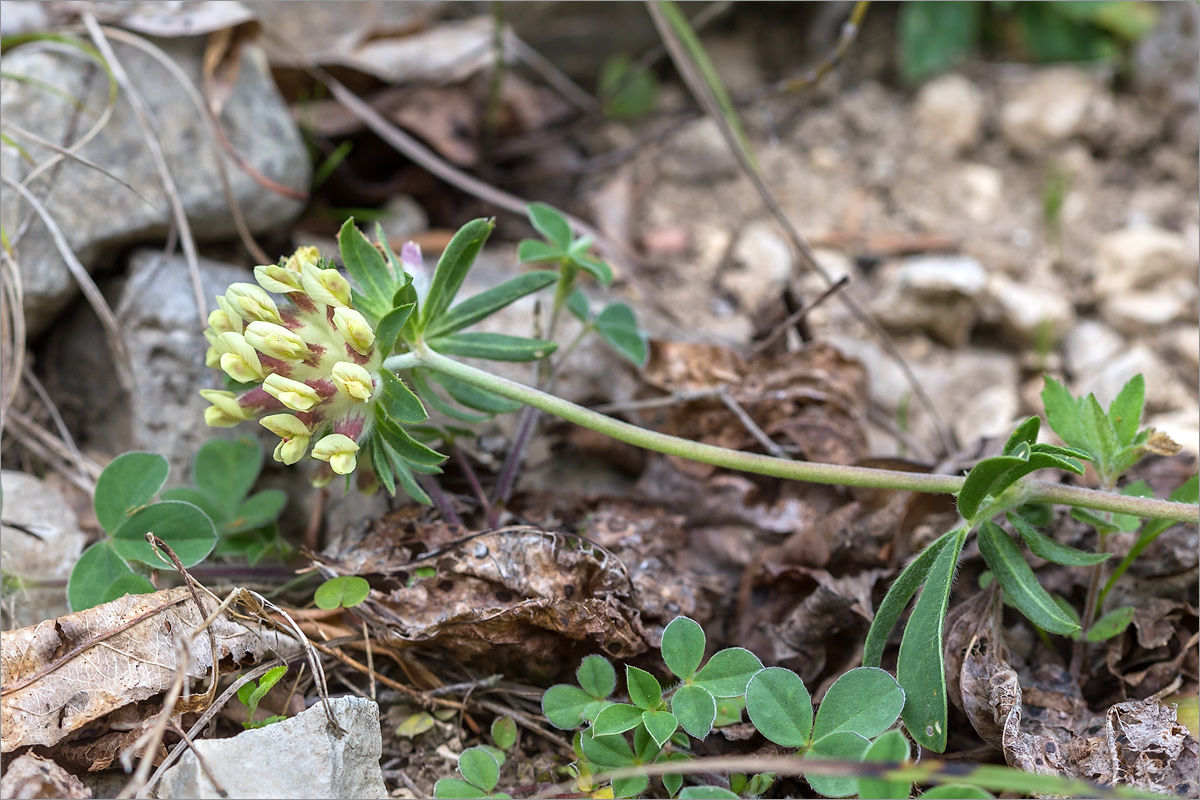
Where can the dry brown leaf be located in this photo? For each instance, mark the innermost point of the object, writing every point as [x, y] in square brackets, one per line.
[62, 674]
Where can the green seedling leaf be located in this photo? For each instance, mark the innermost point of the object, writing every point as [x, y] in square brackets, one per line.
[672, 781]
[479, 768]
[577, 304]
[1064, 414]
[934, 36]
[866, 701]
[616, 718]
[452, 268]
[484, 304]
[1110, 625]
[644, 690]
[955, 791]
[844, 746]
[550, 223]
[780, 707]
[128, 584]
[1063, 452]
[979, 482]
[683, 647]
[98, 568]
[368, 269]
[405, 479]
[387, 332]
[729, 710]
[474, 397]
[1125, 413]
[398, 401]
[1188, 492]
[415, 724]
[405, 446]
[1100, 431]
[897, 597]
[200, 500]
[496, 752]
[660, 725]
[696, 710]
[504, 732]
[606, 751]
[345, 591]
[458, 789]
[1026, 433]
[920, 669]
[259, 509]
[617, 326]
[706, 793]
[1043, 546]
[129, 482]
[492, 346]
[1019, 583]
[226, 471]
[183, 526]
[891, 747]
[532, 251]
[598, 269]
[597, 676]
[1098, 522]
[251, 695]
[630, 787]
[563, 705]
[728, 672]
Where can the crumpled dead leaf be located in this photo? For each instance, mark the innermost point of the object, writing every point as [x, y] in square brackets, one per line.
[193, 18]
[62, 674]
[521, 588]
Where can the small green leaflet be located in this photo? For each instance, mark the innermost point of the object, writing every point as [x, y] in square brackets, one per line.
[1020, 585]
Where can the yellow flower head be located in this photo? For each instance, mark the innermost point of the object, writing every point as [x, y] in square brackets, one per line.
[306, 254]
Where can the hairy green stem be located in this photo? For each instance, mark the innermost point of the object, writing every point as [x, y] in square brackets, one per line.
[831, 474]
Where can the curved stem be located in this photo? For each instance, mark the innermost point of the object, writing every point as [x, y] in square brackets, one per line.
[830, 474]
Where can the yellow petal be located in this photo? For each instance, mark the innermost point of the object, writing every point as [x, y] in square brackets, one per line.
[240, 361]
[275, 341]
[354, 329]
[325, 286]
[295, 395]
[352, 381]
[215, 417]
[253, 303]
[277, 279]
[339, 450]
[289, 451]
[285, 426]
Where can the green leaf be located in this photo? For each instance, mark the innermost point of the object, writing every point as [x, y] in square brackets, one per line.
[920, 669]
[98, 568]
[696, 710]
[1064, 414]
[492, 346]
[660, 725]
[1063, 452]
[258, 510]
[129, 482]
[459, 789]
[644, 746]
[644, 690]
[1026, 433]
[1100, 431]
[1110, 625]
[934, 36]
[577, 304]
[683, 646]
[550, 223]
[1125, 413]
[780, 707]
[128, 584]
[184, 527]
[617, 326]
[597, 676]
[616, 718]
[563, 704]
[382, 464]
[226, 470]
[390, 326]
[368, 269]
[598, 269]
[891, 747]
[630, 787]
[627, 88]
[729, 710]
[504, 732]
[345, 591]
[607, 751]
[452, 268]
[405, 480]
[532, 251]
[728, 671]
[1043, 546]
[423, 386]
[405, 446]
[953, 791]
[399, 402]
[474, 397]
[979, 482]
[479, 767]
[416, 724]
[199, 499]
[706, 793]
[866, 701]
[1019, 583]
[266, 683]
[843, 746]
[1098, 522]
[897, 597]
[484, 304]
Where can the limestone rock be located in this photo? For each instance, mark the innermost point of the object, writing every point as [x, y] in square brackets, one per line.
[762, 265]
[97, 214]
[936, 294]
[1141, 257]
[1032, 313]
[949, 112]
[698, 153]
[1048, 109]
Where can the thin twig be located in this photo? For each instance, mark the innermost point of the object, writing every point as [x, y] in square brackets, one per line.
[370, 659]
[175, 726]
[464, 464]
[812, 76]
[796, 316]
[750, 425]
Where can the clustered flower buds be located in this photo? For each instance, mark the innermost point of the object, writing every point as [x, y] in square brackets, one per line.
[312, 362]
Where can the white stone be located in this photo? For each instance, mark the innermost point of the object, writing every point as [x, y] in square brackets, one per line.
[1048, 109]
[1163, 390]
[762, 265]
[1089, 345]
[1031, 313]
[980, 189]
[1141, 257]
[299, 757]
[949, 112]
[1139, 313]
[698, 153]
[936, 294]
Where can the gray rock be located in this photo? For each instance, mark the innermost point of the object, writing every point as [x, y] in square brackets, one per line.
[1089, 345]
[698, 153]
[1138, 313]
[403, 219]
[298, 757]
[31, 502]
[762, 264]
[1031, 312]
[157, 313]
[1048, 109]
[97, 214]
[1141, 257]
[935, 294]
[1164, 391]
[949, 112]
[1167, 61]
